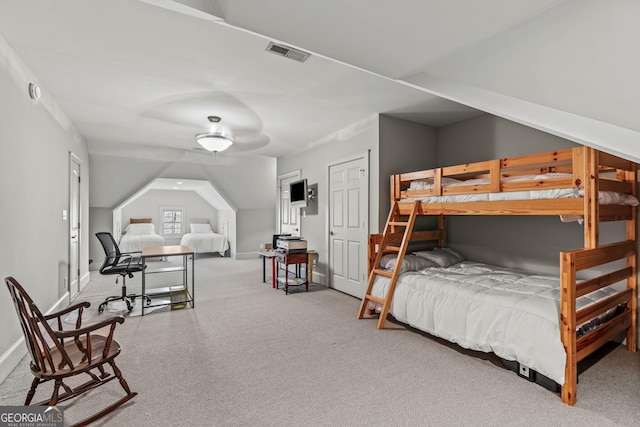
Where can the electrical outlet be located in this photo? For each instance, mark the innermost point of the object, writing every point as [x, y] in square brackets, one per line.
[524, 371]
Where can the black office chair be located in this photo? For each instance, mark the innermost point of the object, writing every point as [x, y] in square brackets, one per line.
[122, 264]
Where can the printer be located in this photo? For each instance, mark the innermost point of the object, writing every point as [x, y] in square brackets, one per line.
[291, 244]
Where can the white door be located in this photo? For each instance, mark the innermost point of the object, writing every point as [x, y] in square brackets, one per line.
[289, 217]
[349, 226]
[74, 227]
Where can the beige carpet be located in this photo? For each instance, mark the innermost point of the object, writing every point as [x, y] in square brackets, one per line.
[248, 355]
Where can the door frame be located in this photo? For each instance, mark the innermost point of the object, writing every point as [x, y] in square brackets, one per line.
[74, 159]
[367, 158]
[288, 175]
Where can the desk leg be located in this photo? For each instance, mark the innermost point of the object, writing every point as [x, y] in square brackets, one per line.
[144, 267]
[264, 268]
[193, 280]
[273, 272]
[310, 262]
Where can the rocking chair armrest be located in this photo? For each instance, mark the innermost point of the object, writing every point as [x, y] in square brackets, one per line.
[87, 329]
[84, 304]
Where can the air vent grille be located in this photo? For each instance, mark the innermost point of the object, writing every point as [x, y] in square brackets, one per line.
[288, 52]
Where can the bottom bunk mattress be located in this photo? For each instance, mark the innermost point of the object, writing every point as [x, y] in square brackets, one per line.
[205, 242]
[509, 312]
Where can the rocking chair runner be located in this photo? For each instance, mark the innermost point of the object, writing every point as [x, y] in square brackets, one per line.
[58, 354]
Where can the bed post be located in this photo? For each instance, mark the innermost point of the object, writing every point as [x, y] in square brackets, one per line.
[588, 175]
[395, 189]
[632, 282]
[568, 325]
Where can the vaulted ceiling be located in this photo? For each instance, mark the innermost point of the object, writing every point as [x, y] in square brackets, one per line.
[141, 76]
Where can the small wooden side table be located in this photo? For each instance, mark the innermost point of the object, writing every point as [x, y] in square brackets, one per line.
[292, 259]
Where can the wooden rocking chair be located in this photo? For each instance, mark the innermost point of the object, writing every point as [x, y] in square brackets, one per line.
[58, 354]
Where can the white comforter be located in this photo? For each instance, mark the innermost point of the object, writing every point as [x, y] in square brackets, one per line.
[135, 242]
[205, 242]
[509, 312]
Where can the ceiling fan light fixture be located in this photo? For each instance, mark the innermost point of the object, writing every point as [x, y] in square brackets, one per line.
[214, 142]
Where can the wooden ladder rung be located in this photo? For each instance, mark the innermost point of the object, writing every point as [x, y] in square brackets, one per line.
[399, 223]
[387, 273]
[392, 220]
[375, 299]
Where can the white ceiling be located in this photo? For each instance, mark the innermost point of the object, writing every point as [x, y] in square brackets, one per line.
[145, 74]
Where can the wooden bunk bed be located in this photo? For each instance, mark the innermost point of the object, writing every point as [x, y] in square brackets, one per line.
[580, 176]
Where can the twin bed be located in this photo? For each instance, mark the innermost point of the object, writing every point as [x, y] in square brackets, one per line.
[139, 234]
[545, 324]
[201, 238]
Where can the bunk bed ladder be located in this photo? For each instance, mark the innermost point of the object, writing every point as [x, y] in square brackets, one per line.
[395, 226]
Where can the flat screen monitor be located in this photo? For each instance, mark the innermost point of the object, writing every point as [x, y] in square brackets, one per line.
[298, 193]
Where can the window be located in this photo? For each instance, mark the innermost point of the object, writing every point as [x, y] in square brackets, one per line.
[172, 219]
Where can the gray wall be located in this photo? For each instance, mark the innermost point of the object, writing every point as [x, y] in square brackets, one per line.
[343, 146]
[404, 147]
[101, 220]
[526, 242]
[393, 145]
[257, 227]
[35, 142]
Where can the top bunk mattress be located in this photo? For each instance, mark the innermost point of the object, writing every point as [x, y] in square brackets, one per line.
[605, 197]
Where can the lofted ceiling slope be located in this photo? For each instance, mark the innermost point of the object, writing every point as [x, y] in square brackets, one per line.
[139, 77]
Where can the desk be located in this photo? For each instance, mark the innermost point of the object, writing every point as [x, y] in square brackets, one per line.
[264, 254]
[289, 259]
[169, 251]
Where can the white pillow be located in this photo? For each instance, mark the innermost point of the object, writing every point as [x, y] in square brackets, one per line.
[139, 229]
[201, 228]
[427, 183]
[443, 257]
[421, 184]
[409, 263]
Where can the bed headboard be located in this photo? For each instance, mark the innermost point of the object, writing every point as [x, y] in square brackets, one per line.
[139, 220]
[199, 221]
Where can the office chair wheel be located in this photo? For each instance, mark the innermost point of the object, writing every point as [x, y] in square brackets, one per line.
[147, 299]
[129, 306]
[101, 308]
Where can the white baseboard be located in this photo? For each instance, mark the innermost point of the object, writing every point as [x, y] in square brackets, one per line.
[10, 359]
[245, 255]
[84, 280]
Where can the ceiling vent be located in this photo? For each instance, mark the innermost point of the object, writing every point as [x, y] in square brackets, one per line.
[287, 51]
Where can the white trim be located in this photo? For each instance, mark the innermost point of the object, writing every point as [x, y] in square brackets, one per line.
[293, 174]
[12, 357]
[74, 159]
[84, 281]
[183, 225]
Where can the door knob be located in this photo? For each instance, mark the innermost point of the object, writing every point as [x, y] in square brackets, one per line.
[331, 233]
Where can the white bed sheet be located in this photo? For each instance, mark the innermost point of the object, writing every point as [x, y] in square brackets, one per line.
[206, 242]
[135, 242]
[509, 312]
[605, 197]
